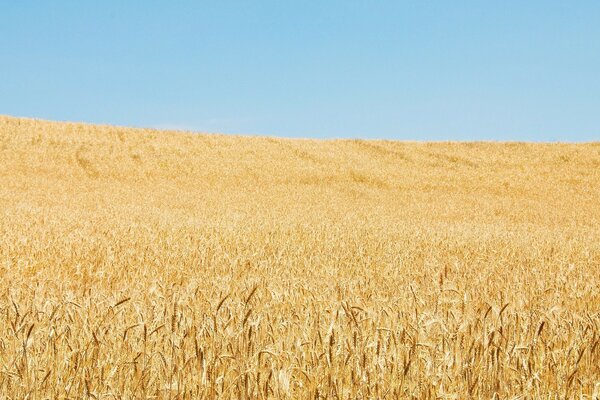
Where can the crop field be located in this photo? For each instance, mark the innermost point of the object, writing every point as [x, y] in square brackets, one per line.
[144, 264]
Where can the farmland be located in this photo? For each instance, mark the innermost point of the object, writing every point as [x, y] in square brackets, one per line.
[138, 263]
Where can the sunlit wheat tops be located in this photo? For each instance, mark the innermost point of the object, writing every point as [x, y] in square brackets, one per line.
[147, 264]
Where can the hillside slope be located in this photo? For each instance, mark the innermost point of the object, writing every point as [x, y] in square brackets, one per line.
[137, 262]
[510, 182]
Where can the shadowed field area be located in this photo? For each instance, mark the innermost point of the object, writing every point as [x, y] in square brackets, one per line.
[152, 264]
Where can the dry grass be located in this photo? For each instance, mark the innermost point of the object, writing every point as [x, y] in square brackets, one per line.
[147, 264]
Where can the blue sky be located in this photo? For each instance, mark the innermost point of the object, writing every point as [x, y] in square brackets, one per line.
[418, 70]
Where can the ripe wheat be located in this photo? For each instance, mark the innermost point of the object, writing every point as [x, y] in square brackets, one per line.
[147, 264]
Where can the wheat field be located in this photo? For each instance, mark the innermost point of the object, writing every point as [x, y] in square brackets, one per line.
[145, 264]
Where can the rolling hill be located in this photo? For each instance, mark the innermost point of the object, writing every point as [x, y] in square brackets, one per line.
[139, 263]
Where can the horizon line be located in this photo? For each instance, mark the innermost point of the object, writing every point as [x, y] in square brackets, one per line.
[183, 130]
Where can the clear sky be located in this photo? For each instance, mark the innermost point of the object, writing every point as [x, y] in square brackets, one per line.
[424, 70]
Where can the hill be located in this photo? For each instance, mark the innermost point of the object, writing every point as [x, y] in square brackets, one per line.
[138, 262]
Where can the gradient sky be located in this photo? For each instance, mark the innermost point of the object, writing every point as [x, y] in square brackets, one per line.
[424, 70]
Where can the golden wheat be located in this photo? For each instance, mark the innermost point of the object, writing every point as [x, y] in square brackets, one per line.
[147, 264]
